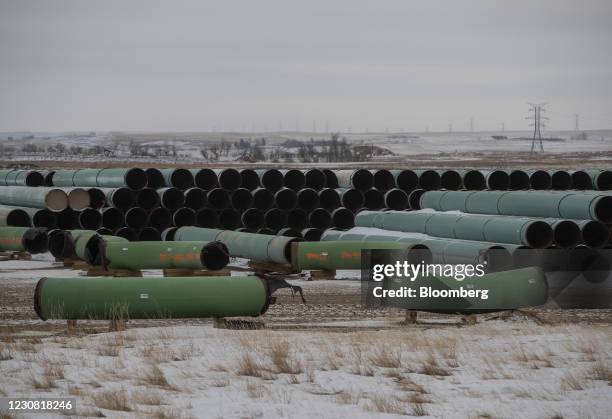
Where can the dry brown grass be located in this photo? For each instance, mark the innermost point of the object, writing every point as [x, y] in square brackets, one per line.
[111, 344]
[148, 398]
[5, 415]
[347, 397]
[431, 366]
[248, 366]
[112, 400]
[255, 390]
[44, 382]
[279, 354]
[54, 371]
[6, 351]
[154, 376]
[220, 382]
[160, 354]
[600, 371]
[384, 404]
[386, 357]
[570, 382]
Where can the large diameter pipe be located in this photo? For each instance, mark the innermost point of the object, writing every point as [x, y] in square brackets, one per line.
[275, 218]
[133, 178]
[566, 233]
[249, 179]
[252, 219]
[473, 180]
[263, 199]
[506, 290]
[149, 234]
[97, 198]
[311, 234]
[160, 218]
[333, 255]
[329, 199]
[593, 233]
[41, 217]
[205, 178]
[207, 218]
[195, 198]
[148, 198]
[360, 179]
[164, 255]
[289, 232]
[78, 198]
[106, 298]
[293, 179]
[52, 198]
[315, 179]
[451, 180]
[89, 219]
[285, 199]
[331, 180]
[396, 199]
[307, 199]
[560, 180]
[601, 179]
[63, 177]
[229, 219]
[183, 217]
[569, 205]
[581, 180]
[23, 178]
[112, 218]
[178, 178]
[497, 180]
[519, 180]
[383, 179]
[343, 218]
[171, 198]
[60, 244]
[14, 216]
[540, 180]
[259, 247]
[122, 198]
[218, 198]
[271, 179]
[515, 230]
[351, 198]
[127, 233]
[229, 179]
[429, 179]
[320, 218]
[155, 178]
[20, 239]
[297, 218]
[414, 199]
[136, 218]
[241, 199]
[67, 219]
[406, 180]
[374, 199]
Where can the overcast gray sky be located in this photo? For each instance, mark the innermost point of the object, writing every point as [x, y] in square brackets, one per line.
[192, 65]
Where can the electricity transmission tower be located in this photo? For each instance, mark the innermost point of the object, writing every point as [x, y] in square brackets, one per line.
[538, 123]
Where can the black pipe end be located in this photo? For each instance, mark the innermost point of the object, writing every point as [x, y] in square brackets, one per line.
[352, 199]
[275, 218]
[249, 178]
[539, 234]
[383, 180]
[603, 209]
[67, 219]
[168, 234]
[331, 180]
[430, 180]
[373, 199]
[60, 244]
[149, 234]
[519, 180]
[214, 256]
[147, 198]
[451, 180]
[181, 179]
[566, 233]
[195, 198]
[136, 218]
[229, 179]
[498, 180]
[581, 180]
[312, 234]
[112, 218]
[315, 179]
[272, 179]
[172, 198]
[35, 178]
[407, 180]
[90, 219]
[206, 179]
[604, 180]
[218, 198]
[44, 218]
[18, 218]
[320, 218]
[561, 180]
[285, 199]
[35, 240]
[183, 217]
[343, 218]
[396, 199]
[135, 178]
[414, 199]
[362, 179]
[229, 219]
[540, 180]
[207, 218]
[297, 219]
[123, 198]
[474, 180]
[241, 199]
[329, 198]
[263, 199]
[155, 178]
[307, 199]
[97, 199]
[595, 234]
[294, 179]
[252, 219]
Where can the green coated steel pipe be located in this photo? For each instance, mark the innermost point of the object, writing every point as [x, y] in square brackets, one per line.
[86, 244]
[178, 178]
[19, 239]
[14, 216]
[163, 255]
[133, 178]
[42, 197]
[333, 255]
[63, 177]
[259, 247]
[21, 178]
[121, 198]
[360, 179]
[505, 290]
[515, 230]
[494, 256]
[41, 217]
[151, 297]
[601, 179]
[557, 204]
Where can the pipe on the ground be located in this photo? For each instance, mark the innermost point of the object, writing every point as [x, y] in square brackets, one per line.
[89, 219]
[414, 199]
[406, 179]
[252, 219]
[293, 179]
[112, 218]
[360, 179]
[601, 179]
[147, 198]
[383, 179]
[343, 218]
[311, 234]
[60, 244]
[428, 179]
[285, 199]
[218, 198]
[207, 218]
[540, 180]
[320, 218]
[271, 179]
[451, 180]
[229, 219]
[178, 178]
[195, 198]
[171, 198]
[351, 198]
[183, 217]
[331, 180]
[20, 239]
[315, 179]
[205, 178]
[297, 218]
[396, 199]
[560, 180]
[155, 178]
[241, 199]
[519, 180]
[136, 218]
[149, 234]
[473, 180]
[307, 199]
[581, 180]
[249, 178]
[122, 198]
[497, 180]
[229, 179]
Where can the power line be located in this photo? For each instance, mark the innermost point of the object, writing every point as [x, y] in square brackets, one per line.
[538, 124]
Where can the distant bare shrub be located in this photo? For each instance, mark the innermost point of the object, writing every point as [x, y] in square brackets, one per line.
[112, 400]
[386, 405]
[386, 357]
[249, 366]
[431, 367]
[571, 382]
[279, 353]
[155, 376]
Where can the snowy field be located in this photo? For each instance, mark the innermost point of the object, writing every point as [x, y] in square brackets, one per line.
[326, 359]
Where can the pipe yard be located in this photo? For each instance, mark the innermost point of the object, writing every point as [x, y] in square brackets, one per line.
[137, 253]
